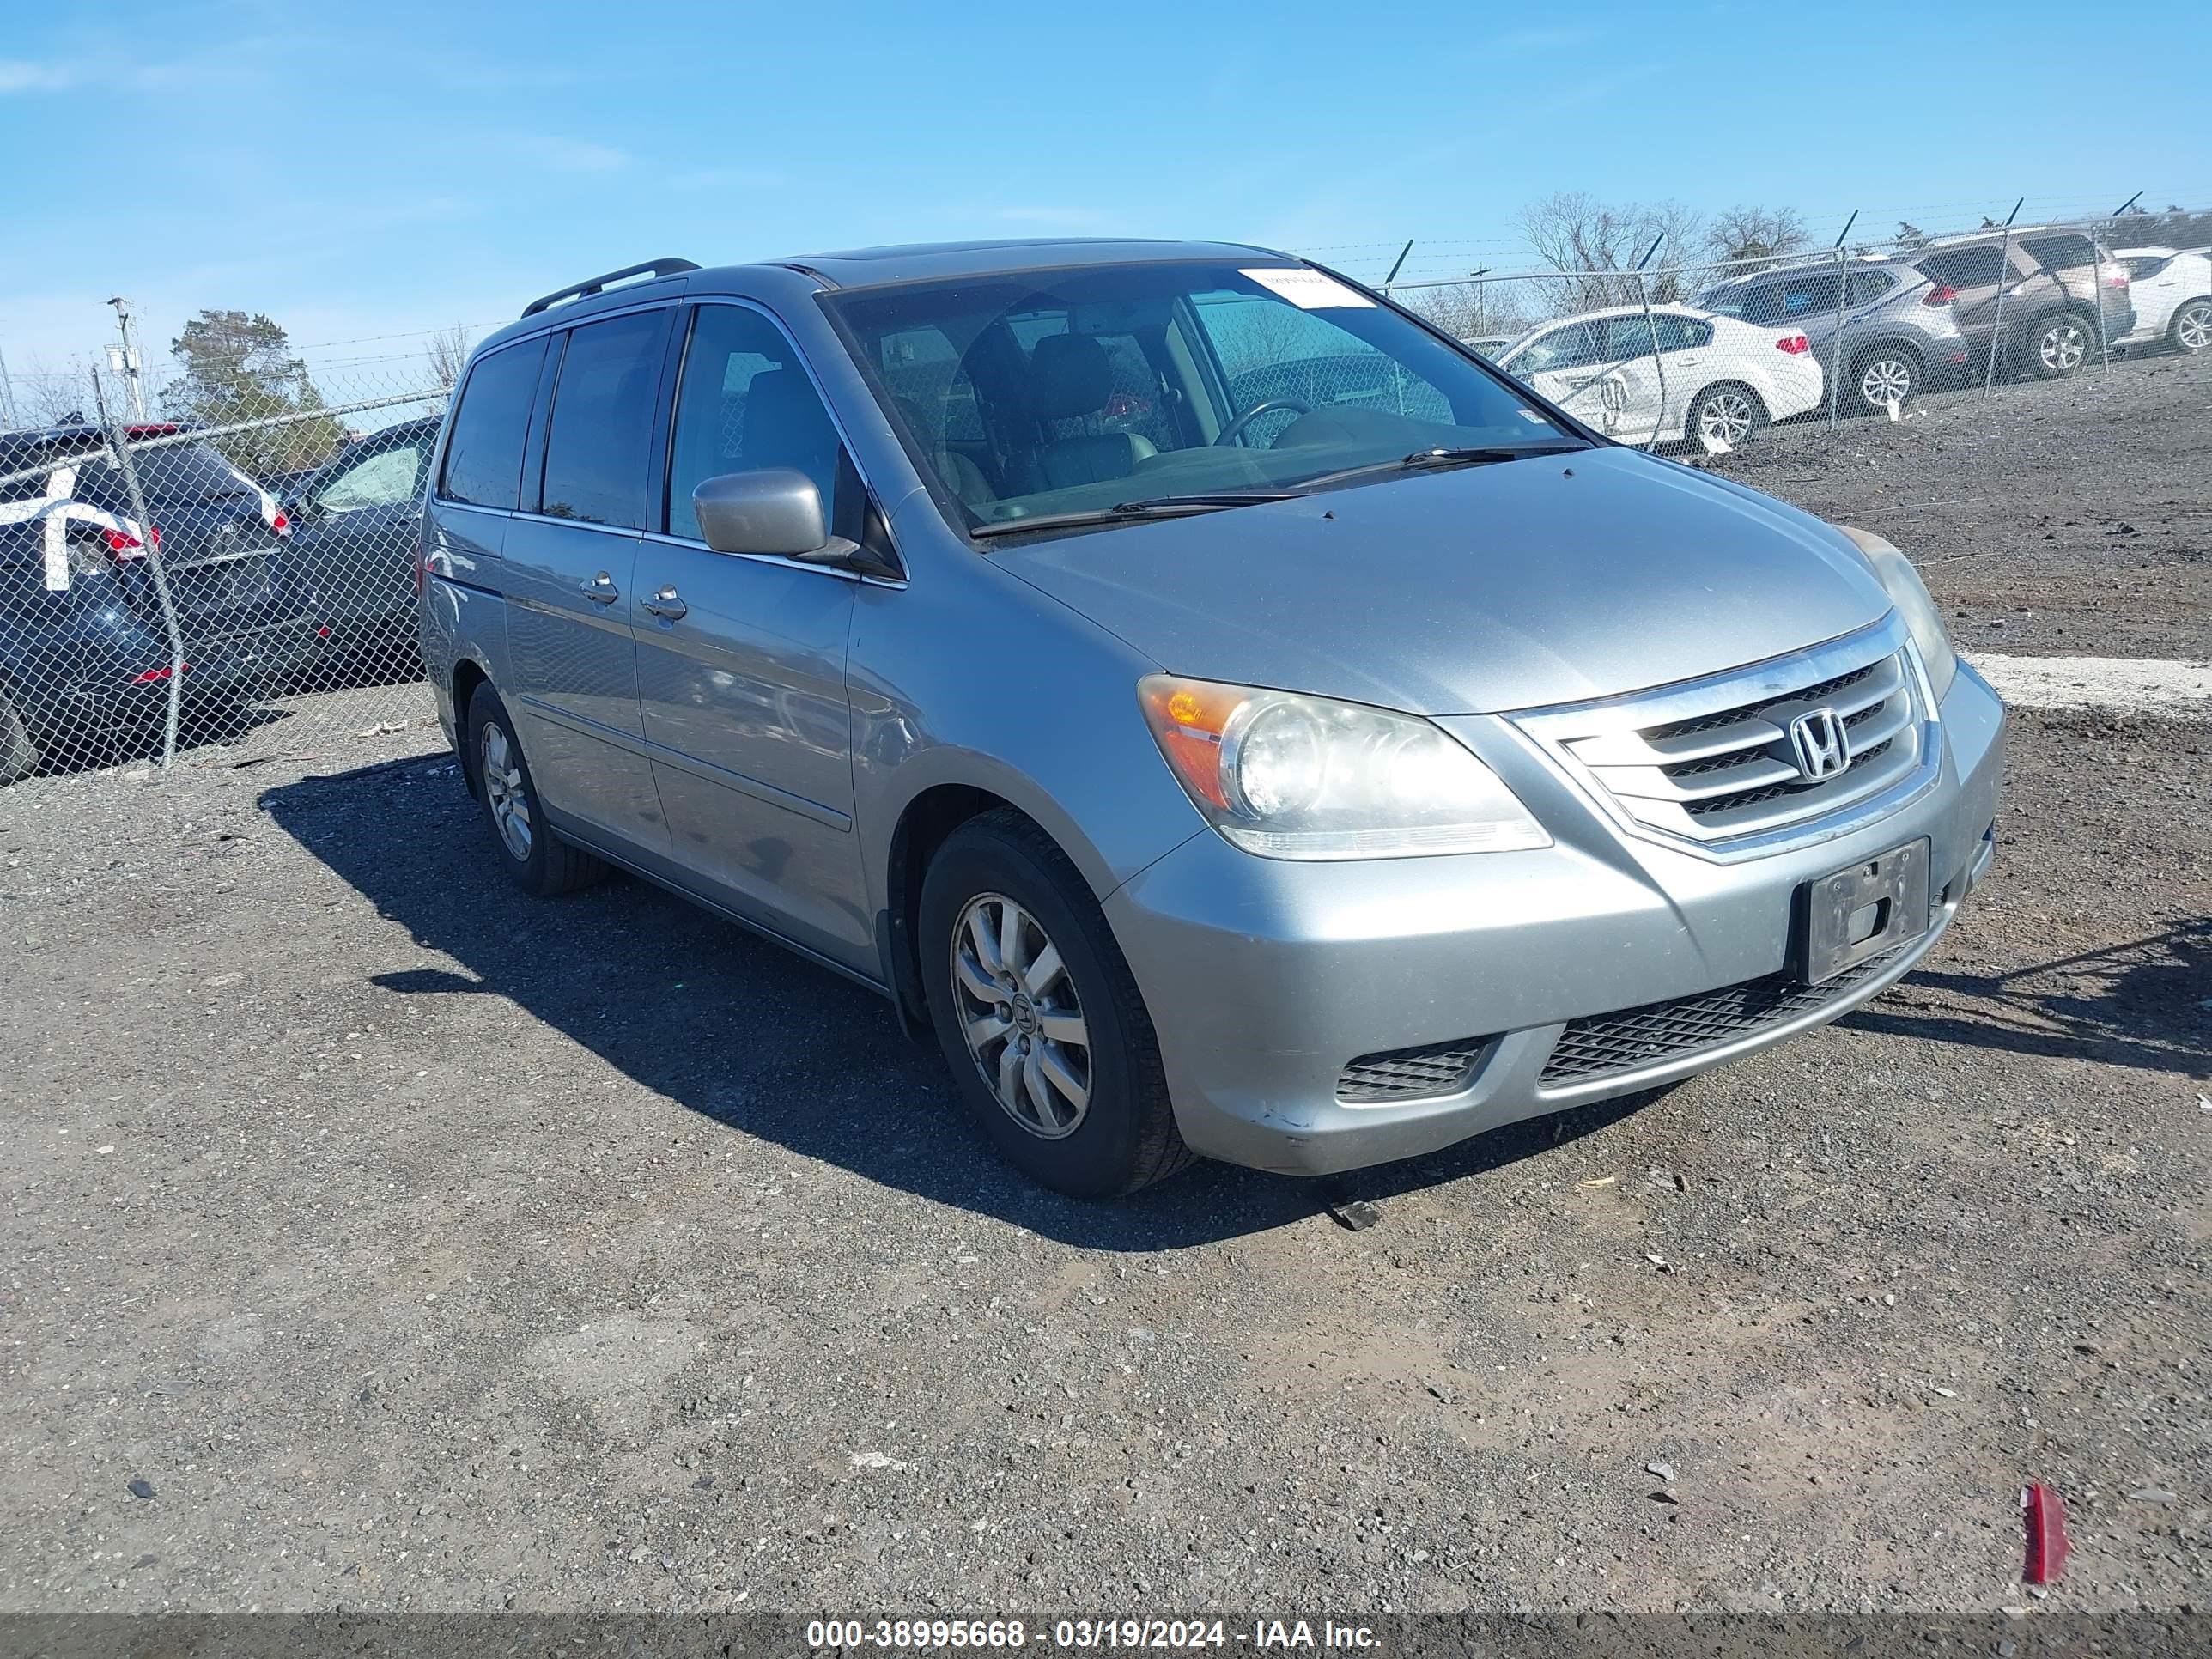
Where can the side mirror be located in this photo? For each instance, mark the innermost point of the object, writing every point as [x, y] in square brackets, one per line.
[772, 509]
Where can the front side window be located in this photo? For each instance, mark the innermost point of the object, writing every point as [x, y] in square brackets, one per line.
[483, 458]
[390, 479]
[1069, 393]
[601, 438]
[745, 402]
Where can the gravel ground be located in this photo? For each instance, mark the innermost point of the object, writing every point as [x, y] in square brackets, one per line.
[2072, 519]
[419, 1246]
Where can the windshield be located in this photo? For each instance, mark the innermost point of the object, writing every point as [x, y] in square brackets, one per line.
[1047, 395]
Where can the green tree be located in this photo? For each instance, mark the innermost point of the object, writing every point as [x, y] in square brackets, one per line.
[236, 367]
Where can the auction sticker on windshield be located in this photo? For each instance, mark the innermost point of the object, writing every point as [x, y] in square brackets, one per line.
[1309, 290]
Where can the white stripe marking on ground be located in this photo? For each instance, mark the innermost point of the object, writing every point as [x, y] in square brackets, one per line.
[2136, 685]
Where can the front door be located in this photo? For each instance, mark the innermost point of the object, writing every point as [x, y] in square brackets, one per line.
[741, 659]
[570, 564]
[354, 538]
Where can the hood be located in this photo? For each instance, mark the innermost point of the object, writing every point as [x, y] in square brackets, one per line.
[1512, 586]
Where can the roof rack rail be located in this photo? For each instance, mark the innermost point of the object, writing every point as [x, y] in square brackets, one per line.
[592, 285]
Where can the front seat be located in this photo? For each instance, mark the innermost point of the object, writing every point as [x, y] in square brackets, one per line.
[1070, 379]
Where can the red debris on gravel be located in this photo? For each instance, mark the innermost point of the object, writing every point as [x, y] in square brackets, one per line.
[2046, 1515]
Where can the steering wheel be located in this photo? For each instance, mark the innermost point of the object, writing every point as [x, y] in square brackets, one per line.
[1236, 426]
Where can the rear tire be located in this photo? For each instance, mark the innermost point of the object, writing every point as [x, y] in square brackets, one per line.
[1060, 1016]
[2059, 344]
[1882, 376]
[1727, 412]
[19, 755]
[2190, 330]
[541, 863]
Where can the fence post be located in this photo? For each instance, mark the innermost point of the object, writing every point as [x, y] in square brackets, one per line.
[1836, 350]
[1997, 326]
[2096, 288]
[1658, 362]
[118, 446]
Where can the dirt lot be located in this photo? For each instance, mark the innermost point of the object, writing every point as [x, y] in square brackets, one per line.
[2073, 519]
[420, 1246]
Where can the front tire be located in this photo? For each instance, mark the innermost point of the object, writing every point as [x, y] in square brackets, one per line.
[2190, 330]
[1884, 375]
[2059, 345]
[540, 862]
[1039, 1016]
[1725, 415]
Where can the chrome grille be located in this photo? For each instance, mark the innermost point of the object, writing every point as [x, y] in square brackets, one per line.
[1635, 1037]
[1712, 763]
[1439, 1068]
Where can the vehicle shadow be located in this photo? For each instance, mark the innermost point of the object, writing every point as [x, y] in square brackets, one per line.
[758, 1040]
[2143, 1003]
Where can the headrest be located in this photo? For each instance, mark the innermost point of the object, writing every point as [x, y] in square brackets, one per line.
[1069, 375]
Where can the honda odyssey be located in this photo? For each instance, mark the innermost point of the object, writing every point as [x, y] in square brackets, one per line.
[1228, 714]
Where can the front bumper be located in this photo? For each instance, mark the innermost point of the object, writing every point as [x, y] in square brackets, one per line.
[1264, 977]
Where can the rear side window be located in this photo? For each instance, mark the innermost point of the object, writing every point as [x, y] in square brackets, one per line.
[2059, 253]
[1682, 333]
[1868, 286]
[1802, 296]
[484, 461]
[2138, 268]
[597, 450]
[1965, 267]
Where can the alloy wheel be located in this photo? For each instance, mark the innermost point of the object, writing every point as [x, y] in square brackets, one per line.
[1017, 1008]
[2063, 347]
[2192, 330]
[1884, 381]
[1726, 417]
[504, 791]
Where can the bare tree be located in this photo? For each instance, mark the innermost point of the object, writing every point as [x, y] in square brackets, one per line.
[46, 396]
[448, 353]
[1573, 231]
[1752, 238]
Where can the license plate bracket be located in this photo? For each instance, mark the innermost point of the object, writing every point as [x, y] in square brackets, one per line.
[1860, 911]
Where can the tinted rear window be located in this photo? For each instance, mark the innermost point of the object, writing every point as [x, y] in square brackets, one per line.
[602, 431]
[484, 462]
[178, 473]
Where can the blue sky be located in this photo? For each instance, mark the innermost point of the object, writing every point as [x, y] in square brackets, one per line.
[366, 173]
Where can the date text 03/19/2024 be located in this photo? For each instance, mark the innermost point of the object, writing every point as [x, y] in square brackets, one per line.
[1084, 1634]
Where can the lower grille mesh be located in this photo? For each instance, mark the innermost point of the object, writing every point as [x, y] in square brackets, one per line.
[1634, 1037]
[1441, 1068]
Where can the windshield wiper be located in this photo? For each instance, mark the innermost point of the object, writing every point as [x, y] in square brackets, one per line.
[1162, 507]
[1465, 455]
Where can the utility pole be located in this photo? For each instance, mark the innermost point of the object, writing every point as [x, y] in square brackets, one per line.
[124, 359]
[7, 397]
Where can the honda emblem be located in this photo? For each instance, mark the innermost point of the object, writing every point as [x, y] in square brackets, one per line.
[1821, 745]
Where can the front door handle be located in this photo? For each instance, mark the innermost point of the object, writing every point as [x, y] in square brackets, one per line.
[600, 590]
[665, 605]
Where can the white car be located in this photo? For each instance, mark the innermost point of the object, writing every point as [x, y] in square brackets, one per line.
[1712, 380]
[2172, 293]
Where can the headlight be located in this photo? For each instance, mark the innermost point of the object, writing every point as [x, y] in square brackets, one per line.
[1296, 777]
[1909, 595]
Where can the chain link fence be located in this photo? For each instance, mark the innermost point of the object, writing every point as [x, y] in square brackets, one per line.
[212, 592]
[238, 583]
[1707, 355]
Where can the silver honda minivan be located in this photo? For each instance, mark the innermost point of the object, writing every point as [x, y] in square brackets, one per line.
[1229, 715]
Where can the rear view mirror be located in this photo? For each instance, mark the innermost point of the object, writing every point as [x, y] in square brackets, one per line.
[772, 509]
